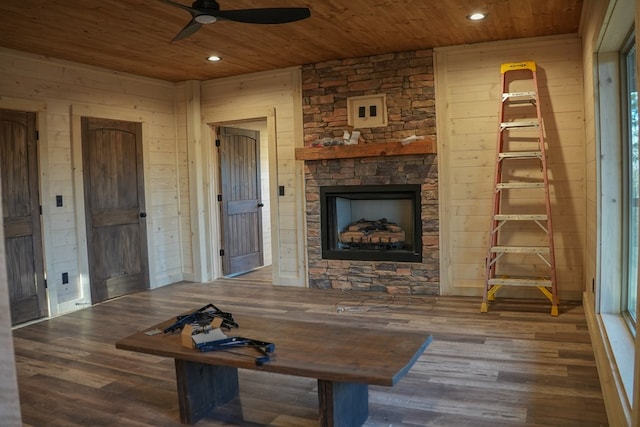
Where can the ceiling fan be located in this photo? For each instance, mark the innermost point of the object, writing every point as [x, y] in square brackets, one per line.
[208, 11]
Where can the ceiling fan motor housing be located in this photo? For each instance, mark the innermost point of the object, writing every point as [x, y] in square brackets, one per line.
[206, 4]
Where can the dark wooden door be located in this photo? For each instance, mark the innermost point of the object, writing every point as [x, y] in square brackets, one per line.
[21, 212]
[241, 202]
[114, 203]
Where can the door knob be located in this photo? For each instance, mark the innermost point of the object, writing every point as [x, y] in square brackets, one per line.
[260, 205]
[143, 214]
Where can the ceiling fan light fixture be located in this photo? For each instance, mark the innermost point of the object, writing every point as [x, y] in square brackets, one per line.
[477, 16]
[214, 58]
[205, 19]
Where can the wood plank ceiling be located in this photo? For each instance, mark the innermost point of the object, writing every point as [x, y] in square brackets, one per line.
[134, 36]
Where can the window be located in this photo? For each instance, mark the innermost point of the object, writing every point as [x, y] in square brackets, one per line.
[631, 182]
[617, 167]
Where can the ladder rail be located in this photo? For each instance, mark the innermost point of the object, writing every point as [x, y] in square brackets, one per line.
[490, 262]
[545, 177]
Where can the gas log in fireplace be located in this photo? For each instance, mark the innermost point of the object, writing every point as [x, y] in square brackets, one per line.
[371, 222]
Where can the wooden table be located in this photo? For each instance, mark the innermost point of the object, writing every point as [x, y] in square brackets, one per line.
[344, 360]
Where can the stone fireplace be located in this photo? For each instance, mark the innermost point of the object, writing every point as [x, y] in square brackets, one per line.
[412, 275]
[380, 163]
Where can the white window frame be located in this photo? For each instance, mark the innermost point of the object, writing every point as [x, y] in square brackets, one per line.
[610, 159]
[628, 262]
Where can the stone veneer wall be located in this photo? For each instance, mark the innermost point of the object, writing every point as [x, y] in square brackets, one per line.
[407, 80]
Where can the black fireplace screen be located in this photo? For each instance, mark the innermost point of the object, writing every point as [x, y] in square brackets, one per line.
[372, 222]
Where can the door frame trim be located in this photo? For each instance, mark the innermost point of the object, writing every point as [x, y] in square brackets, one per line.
[210, 121]
[224, 239]
[77, 112]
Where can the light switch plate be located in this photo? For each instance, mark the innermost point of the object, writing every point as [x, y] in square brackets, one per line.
[367, 111]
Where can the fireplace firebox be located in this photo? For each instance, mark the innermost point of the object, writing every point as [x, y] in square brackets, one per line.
[371, 222]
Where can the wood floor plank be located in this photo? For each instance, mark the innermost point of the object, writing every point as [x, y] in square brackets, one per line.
[515, 366]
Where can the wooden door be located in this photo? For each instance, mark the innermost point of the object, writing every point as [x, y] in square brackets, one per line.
[114, 203]
[241, 202]
[21, 211]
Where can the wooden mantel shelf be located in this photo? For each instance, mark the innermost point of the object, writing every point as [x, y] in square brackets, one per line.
[374, 149]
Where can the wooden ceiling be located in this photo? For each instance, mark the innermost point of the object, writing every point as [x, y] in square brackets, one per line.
[135, 36]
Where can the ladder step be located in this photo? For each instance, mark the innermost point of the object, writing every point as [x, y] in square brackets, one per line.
[512, 66]
[520, 124]
[520, 155]
[520, 217]
[519, 97]
[520, 281]
[520, 249]
[519, 185]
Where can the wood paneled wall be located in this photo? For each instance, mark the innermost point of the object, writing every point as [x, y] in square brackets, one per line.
[58, 91]
[276, 96]
[182, 174]
[467, 101]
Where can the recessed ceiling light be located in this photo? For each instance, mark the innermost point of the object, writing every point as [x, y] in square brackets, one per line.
[214, 58]
[476, 16]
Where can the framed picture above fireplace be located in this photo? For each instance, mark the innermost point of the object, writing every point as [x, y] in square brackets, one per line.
[371, 222]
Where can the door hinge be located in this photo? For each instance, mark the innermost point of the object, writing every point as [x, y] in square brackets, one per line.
[37, 135]
[221, 252]
[40, 208]
[217, 143]
[45, 284]
[219, 197]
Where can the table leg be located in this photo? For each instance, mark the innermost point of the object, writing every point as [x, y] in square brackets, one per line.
[202, 388]
[343, 404]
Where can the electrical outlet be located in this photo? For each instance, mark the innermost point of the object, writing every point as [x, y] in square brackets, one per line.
[367, 111]
[65, 278]
[59, 201]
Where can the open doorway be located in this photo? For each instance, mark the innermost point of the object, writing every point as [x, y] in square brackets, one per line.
[244, 198]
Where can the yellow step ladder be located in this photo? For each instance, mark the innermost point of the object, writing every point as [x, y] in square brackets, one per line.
[521, 251]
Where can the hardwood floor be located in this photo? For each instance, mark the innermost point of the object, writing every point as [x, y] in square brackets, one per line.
[262, 274]
[514, 366]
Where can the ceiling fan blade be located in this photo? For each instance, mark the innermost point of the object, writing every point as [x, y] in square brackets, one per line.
[272, 15]
[192, 11]
[189, 30]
